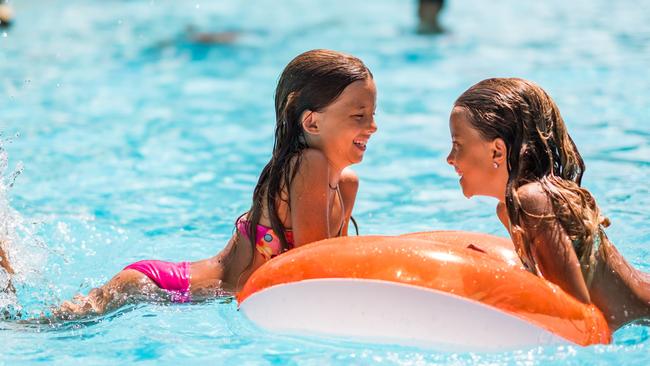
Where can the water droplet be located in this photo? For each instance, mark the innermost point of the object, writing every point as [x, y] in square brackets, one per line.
[4, 35]
[198, 6]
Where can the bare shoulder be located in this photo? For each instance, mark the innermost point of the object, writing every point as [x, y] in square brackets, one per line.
[349, 186]
[349, 178]
[313, 165]
[533, 199]
[312, 159]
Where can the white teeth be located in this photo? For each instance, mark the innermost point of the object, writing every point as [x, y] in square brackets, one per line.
[360, 143]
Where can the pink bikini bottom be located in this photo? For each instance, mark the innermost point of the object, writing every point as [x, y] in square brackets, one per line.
[169, 276]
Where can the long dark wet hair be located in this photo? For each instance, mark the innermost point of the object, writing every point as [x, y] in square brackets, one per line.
[311, 81]
[540, 150]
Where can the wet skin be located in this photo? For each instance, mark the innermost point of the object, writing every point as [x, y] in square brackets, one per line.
[620, 291]
[337, 136]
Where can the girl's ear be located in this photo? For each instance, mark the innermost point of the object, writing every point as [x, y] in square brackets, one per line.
[309, 121]
[499, 151]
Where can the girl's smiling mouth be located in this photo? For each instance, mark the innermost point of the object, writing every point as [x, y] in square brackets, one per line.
[361, 143]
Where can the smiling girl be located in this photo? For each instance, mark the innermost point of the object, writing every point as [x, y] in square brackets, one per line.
[510, 142]
[324, 104]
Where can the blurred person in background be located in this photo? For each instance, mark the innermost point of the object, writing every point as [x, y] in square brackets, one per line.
[209, 38]
[428, 12]
[6, 15]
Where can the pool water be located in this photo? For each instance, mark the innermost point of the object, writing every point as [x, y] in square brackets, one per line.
[124, 140]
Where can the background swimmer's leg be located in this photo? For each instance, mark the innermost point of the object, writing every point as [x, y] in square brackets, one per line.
[4, 260]
[5, 284]
[128, 286]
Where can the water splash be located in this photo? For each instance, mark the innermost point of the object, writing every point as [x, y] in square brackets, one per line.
[17, 240]
[8, 300]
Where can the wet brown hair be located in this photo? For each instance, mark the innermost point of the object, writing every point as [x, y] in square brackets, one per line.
[311, 81]
[539, 149]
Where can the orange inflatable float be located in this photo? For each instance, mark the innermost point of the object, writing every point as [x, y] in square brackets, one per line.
[451, 290]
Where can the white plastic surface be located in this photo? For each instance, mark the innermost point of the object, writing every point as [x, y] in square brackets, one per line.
[390, 313]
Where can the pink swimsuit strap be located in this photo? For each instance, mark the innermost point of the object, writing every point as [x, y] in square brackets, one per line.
[268, 243]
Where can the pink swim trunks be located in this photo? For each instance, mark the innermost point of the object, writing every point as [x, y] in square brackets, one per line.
[169, 276]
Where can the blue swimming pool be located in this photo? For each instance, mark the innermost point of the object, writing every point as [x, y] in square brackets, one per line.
[122, 140]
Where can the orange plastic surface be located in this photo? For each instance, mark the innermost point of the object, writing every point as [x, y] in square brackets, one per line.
[421, 260]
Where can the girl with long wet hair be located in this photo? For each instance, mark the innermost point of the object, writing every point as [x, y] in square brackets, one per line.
[510, 142]
[324, 106]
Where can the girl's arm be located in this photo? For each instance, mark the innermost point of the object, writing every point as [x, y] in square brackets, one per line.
[310, 196]
[550, 245]
[349, 185]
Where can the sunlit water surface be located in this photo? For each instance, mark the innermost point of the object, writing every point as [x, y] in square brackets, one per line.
[123, 140]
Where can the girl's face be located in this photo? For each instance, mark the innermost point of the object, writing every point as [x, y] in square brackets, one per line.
[479, 163]
[342, 129]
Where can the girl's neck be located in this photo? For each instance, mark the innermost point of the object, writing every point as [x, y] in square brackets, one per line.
[334, 172]
[334, 177]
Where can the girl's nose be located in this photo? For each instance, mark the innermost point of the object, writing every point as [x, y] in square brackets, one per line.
[450, 158]
[373, 126]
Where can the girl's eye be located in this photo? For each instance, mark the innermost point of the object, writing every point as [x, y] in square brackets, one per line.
[358, 116]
